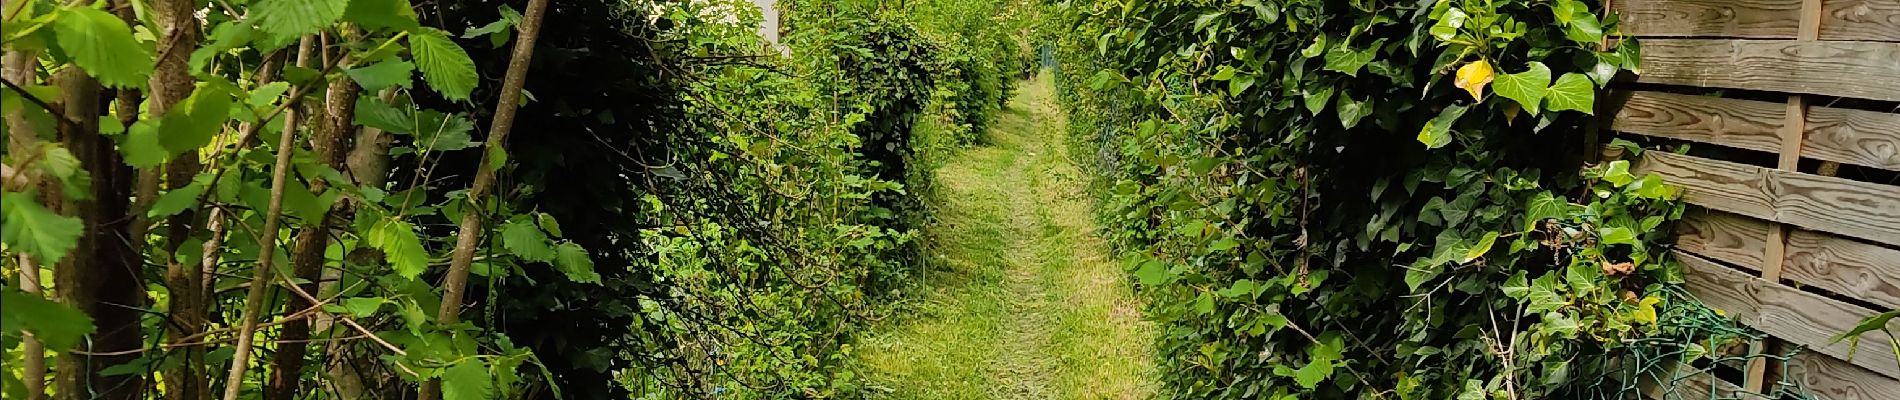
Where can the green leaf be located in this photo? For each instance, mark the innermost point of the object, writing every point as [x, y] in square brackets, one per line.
[1153, 273]
[291, 18]
[1542, 295]
[1315, 49]
[1473, 390]
[381, 14]
[444, 65]
[362, 307]
[1585, 29]
[1873, 323]
[1310, 375]
[401, 248]
[525, 240]
[1351, 111]
[178, 200]
[1447, 26]
[1526, 88]
[1316, 99]
[574, 262]
[192, 123]
[33, 229]
[1343, 58]
[467, 380]
[1437, 132]
[141, 148]
[1544, 206]
[391, 72]
[1483, 245]
[1618, 173]
[224, 37]
[548, 223]
[1573, 91]
[1567, 10]
[1617, 235]
[103, 45]
[1239, 288]
[56, 325]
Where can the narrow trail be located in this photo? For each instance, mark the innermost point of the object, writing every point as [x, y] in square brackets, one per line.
[1026, 302]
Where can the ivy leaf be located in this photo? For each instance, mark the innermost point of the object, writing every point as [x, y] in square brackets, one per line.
[1343, 58]
[467, 380]
[525, 240]
[33, 229]
[392, 72]
[103, 45]
[1314, 50]
[381, 14]
[1437, 132]
[1542, 295]
[1544, 206]
[1473, 390]
[1646, 310]
[192, 123]
[1573, 91]
[1618, 173]
[397, 239]
[1316, 98]
[292, 18]
[57, 325]
[1351, 111]
[1617, 235]
[1483, 245]
[1473, 77]
[1448, 24]
[1526, 88]
[574, 262]
[1585, 29]
[444, 65]
[1567, 10]
[1874, 323]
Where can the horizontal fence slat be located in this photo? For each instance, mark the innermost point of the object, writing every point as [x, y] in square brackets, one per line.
[1723, 236]
[1721, 185]
[1860, 20]
[1863, 210]
[1858, 137]
[1860, 270]
[1714, 18]
[1680, 381]
[1846, 69]
[1825, 203]
[1744, 124]
[1799, 317]
[1831, 379]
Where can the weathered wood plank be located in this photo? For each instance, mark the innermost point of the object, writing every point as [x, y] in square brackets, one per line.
[1860, 209]
[1847, 69]
[1859, 270]
[1865, 138]
[1721, 185]
[1768, 19]
[1861, 20]
[1744, 124]
[1801, 318]
[1675, 381]
[1831, 379]
[1723, 236]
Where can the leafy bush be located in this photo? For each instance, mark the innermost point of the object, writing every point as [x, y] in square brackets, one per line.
[1373, 199]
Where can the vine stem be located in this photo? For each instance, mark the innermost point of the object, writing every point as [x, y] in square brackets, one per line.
[453, 286]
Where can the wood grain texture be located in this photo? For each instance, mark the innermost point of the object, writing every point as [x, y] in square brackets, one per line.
[1744, 124]
[1674, 380]
[1831, 379]
[1860, 209]
[1720, 185]
[1722, 236]
[1877, 20]
[1863, 210]
[1848, 267]
[1846, 69]
[1847, 136]
[1801, 318]
[1767, 19]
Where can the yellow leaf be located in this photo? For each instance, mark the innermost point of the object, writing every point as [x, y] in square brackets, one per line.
[1472, 78]
[1646, 310]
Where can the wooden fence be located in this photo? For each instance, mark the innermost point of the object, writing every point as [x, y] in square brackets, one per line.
[1793, 107]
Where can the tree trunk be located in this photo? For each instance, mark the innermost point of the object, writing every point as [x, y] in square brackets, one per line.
[171, 82]
[102, 276]
[17, 66]
[368, 165]
[330, 142]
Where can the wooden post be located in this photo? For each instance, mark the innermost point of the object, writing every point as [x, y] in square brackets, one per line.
[1775, 250]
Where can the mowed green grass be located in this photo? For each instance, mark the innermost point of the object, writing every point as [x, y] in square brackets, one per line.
[1024, 301]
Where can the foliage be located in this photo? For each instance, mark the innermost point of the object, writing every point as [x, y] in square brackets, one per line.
[1372, 199]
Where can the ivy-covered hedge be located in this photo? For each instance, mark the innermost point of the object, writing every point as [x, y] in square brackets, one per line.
[1375, 199]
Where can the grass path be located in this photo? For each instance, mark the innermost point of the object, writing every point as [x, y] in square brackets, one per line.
[1025, 302]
